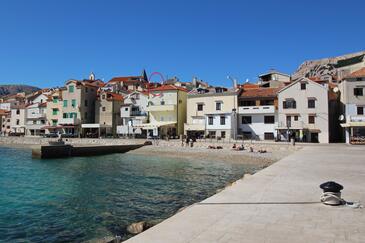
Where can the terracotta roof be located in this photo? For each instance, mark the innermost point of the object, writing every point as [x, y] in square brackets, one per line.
[250, 86]
[260, 92]
[169, 87]
[357, 74]
[114, 96]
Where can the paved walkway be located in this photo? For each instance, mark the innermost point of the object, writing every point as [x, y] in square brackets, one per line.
[266, 207]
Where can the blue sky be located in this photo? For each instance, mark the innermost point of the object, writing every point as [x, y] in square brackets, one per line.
[45, 42]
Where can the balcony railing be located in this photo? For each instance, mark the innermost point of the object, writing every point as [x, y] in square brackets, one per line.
[256, 109]
[291, 125]
[358, 118]
[68, 121]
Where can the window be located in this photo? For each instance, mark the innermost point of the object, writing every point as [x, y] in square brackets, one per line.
[311, 103]
[17, 111]
[303, 86]
[269, 136]
[211, 134]
[54, 112]
[103, 96]
[55, 99]
[223, 120]
[360, 110]
[86, 90]
[246, 119]
[289, 104]
[269, 119]
[210, 120]
[288, 121]
[54, 122]
[218, 106]
[200, 107]
[311, 119]
[247, 103]
[17, 121]
[358, 92]
[267, 102]
[85, 115]
[64, 103]
[103, 109]
[73, 103]
[223, 134]
[65, 115]
[86, 103]
[71, 88]
[295, 118]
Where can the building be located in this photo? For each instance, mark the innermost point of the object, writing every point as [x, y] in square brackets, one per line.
[78, 104]
[167, 112]
[36, 115]
[17, 119]
[107, 115]
[211, 112]
[257, 113]
[274, 79]
[5, 117]
[304, 111]
[133, 113]
[353, 101]
[131, 83]
[54, 112]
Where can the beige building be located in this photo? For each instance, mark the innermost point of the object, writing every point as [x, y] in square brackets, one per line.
[304, 111]
[167, 111]
[78, 105]
[54, 112]
[107, 115]
[212, 112]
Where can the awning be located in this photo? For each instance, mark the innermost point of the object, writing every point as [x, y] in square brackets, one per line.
[94, 125]
[52, 127]
[154, 125]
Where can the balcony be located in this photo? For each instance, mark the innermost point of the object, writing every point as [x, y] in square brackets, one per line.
[291, 125]
[68, 121]
[358, 118]
[266, 109]
[161, 108]
[194, 127]
[36, 116]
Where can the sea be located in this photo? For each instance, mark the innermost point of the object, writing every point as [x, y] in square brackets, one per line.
[84, 198]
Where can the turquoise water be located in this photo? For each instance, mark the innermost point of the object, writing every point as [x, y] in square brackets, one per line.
[78, 199]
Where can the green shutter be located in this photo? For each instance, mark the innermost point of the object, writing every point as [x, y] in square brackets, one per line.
[65, 103]
[71, 88]
[73, 103]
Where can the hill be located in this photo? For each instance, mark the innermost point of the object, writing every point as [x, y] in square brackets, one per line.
[14, 88]
[334, 66]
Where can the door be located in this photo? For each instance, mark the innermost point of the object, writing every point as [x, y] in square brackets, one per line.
[314, 137]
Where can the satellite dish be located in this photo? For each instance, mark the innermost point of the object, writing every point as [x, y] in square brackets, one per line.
[336, 89]
[341, 118]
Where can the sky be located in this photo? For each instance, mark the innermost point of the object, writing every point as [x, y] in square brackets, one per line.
[46, 42]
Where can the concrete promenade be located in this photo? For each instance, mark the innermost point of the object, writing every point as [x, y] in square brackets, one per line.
[278, 204]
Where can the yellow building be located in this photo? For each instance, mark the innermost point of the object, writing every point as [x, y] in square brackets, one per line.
[167, 111]
[211, 112]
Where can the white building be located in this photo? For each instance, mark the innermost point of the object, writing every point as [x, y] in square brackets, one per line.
[304, 111]
[352, 97]
[133, 114]
[35, 116]
[257, 113]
